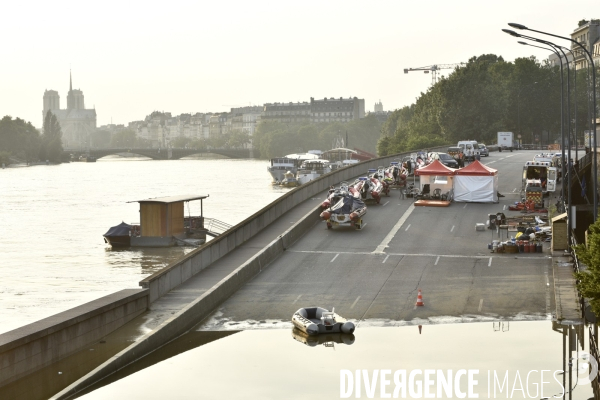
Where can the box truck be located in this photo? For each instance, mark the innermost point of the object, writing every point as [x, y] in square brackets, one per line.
[505, 141]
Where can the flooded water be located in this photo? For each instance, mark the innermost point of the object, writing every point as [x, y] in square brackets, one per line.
[52, 253]
[489, 360]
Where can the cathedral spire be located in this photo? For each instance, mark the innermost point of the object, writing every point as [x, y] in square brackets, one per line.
[70, 81]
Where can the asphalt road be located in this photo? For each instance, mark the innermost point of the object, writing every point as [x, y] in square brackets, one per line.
[372, 275]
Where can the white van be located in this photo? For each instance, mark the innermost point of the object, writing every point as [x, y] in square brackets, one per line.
[470, 149]
[542, 171]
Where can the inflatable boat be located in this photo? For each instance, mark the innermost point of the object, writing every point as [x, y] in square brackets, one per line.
[316, 320]
[342, 190]
[345, 209]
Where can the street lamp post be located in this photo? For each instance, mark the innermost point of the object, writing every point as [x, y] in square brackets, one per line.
[574, 133]
[568, 206]
[594, 144]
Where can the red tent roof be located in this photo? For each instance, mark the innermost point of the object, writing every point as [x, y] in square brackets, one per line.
[476, 169]
[435, 168]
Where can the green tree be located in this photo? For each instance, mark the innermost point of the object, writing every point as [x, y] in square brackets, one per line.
[486, 96]
[18, 140]
[125, 138]
[589, 280]
[51, 148]
[100, 139]
[238, 139]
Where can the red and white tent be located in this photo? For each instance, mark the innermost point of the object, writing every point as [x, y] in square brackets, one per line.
[437, 176]
[476, 183]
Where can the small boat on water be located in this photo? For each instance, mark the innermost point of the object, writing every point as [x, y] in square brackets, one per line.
[317, 320]
[312, 169]
[119, 235]
[289, 180]
[345, 209]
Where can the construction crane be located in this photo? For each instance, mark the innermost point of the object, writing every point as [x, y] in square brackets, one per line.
[434, 70]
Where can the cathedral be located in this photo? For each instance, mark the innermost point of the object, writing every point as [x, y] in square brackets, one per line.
[76, 122]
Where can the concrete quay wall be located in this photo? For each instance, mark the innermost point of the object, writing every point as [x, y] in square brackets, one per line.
[32, 347]
[163, 281]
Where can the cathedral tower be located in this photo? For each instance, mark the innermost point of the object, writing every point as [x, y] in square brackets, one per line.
[74, 97]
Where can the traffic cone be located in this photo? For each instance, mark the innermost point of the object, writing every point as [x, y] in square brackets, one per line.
[419, 299]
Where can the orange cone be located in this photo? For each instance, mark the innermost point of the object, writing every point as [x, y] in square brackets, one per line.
[419, 299]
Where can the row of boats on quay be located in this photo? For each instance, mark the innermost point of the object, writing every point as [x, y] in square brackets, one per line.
[297, 169]
[346, 204]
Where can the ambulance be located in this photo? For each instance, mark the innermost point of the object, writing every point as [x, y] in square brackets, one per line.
[539, 173]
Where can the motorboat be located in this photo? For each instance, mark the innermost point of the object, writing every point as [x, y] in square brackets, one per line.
[333, 192]
[327, 339]
[119, 235]
[370, 188]
[345, 209]
[280, 165]
[289, 180]
[317, 320]
[312, 169]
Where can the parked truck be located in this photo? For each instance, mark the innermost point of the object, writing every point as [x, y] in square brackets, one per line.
[505, 141]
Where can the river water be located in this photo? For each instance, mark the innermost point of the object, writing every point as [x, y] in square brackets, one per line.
[52, 253]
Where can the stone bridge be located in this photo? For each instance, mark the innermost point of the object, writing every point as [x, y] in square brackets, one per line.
[165, 154]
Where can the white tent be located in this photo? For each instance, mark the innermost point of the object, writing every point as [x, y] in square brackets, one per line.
[476, 183]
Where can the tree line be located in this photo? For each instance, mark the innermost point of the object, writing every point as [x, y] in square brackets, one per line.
[20, 141]
[486, 96]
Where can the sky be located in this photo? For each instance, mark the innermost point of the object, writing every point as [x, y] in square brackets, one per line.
[133, 57]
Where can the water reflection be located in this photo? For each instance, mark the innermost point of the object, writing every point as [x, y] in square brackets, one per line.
[326, 339]
[189, 341]
[265, 364]
[149, 259]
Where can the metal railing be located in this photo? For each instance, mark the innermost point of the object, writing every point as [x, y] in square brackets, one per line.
[594, 353]
[215, 226]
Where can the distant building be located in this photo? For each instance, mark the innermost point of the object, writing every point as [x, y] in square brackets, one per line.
[326, 110]
[378, 112]
[378, 107]
[555, 61]
[286, 112]
[332, 110]
[588, 34]
[76, 122]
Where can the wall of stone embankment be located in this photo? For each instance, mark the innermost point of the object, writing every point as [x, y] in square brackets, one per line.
[37, 345]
